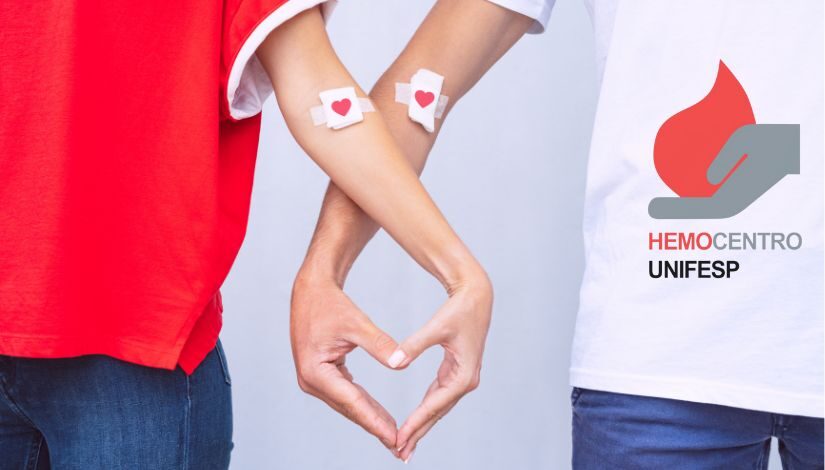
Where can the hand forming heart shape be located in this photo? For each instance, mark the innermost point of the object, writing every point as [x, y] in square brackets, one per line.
[326, 325]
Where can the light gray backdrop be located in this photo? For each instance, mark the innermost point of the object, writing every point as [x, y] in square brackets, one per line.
[513, 189]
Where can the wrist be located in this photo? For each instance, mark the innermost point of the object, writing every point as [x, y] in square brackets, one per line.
[473, 285]
[461, 271]
[321, 272]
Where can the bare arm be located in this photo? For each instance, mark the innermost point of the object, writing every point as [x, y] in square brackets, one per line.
[364, 160]
[461, 40]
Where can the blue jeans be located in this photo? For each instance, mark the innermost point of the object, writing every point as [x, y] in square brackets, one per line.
[99, 413]
[615, 431]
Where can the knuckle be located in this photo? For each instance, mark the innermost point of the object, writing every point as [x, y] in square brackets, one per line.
[348, 410]
[349, 407]
[386, 442]
[471, 382]
[305, 377]
[382, 340]
[303, 385]
[474, 383]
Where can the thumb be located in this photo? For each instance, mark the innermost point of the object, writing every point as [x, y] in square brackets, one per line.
[376, 342]
[429, 335]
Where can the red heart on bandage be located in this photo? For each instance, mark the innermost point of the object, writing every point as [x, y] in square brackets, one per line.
[342, 106]
[424, 98]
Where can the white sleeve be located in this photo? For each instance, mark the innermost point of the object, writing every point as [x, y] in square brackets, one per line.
[539, 10]
[248, 83]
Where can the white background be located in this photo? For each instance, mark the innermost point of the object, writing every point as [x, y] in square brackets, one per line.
[512, 186]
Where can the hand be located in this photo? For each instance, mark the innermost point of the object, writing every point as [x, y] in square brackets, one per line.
[460, 327]
[324, 327]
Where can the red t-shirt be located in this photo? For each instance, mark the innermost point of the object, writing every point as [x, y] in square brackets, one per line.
[128, 137]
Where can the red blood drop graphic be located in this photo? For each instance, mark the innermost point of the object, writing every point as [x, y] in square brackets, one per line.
[688, 142]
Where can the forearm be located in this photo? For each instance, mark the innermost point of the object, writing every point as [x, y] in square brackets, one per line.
[461, 40]
[362, 159]
[343, 229]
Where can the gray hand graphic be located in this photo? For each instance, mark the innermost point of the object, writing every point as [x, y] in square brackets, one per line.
[772, 152]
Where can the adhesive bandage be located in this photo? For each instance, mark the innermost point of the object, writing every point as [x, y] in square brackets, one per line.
[340, 108]
[423, 97]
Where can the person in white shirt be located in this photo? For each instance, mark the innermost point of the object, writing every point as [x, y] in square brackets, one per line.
[700, 330]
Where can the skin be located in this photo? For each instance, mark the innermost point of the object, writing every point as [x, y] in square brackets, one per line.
[461, 40]
[367, 164]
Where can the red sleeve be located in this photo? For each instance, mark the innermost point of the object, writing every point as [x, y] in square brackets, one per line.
[246, 23]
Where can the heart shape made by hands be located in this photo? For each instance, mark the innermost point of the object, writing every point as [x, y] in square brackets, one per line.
[424, 98]
[342, 106]
[321, 343]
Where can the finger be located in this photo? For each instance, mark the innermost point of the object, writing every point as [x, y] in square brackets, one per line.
[386, 416]
[357, 405]
[410, 445]
[430, 389]
[375, 341]
[345, 372]
[733, 152]
[437, 402]
[359, 409]
[431, 334]
[407, 452]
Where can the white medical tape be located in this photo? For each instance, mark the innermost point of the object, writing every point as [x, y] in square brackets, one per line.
[402, 95]
[340, 108]
[423, 98]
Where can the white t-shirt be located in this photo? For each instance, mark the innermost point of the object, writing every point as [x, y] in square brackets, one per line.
[703, 218]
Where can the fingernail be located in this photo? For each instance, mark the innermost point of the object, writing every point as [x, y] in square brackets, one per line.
[409, 457]
[397, 358]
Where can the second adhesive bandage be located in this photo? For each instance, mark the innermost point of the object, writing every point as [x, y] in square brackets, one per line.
[423, 97]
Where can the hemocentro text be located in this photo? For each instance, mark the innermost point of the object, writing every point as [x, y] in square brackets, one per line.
[707, 241]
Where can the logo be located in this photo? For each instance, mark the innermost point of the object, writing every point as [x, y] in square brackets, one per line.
[717, 159]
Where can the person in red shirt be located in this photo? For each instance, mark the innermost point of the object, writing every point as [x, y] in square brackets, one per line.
[124, 196]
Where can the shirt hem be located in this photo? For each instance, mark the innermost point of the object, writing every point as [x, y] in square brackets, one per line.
[38, 347]
[198, 346]
[539, 11]
[197, 336]
[701, 391]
